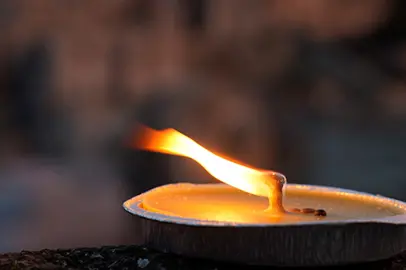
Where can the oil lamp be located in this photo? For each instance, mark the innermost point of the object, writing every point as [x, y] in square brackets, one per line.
[255, 217]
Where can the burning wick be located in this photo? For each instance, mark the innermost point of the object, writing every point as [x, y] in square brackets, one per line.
[262, 183]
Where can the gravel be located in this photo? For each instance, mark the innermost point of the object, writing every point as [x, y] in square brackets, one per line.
[135, 257]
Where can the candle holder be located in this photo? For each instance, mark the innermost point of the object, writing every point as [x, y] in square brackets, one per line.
[358, 228]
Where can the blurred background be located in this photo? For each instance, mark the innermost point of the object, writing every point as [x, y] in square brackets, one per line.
[314, 89]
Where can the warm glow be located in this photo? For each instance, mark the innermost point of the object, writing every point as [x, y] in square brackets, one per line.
[258, 182]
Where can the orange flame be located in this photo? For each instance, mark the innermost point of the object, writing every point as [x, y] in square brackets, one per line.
[254, 181]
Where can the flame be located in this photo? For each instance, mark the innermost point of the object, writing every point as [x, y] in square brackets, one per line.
[254, 181]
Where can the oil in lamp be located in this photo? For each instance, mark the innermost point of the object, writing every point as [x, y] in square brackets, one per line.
[255, 217]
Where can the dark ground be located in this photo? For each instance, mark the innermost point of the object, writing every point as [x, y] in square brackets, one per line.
[133, 257]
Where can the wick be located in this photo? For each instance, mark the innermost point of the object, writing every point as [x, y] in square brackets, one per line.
[275, 183]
